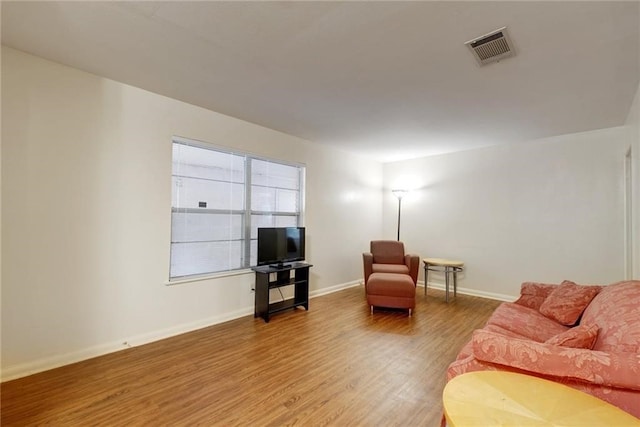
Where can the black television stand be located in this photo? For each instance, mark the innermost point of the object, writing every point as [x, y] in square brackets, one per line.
[272, 277]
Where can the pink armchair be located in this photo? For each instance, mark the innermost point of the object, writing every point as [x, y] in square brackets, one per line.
[387, 256]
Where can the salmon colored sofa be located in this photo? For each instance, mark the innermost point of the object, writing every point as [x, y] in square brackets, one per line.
[587, 337]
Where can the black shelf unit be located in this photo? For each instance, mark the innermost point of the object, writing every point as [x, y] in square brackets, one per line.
[269, 277]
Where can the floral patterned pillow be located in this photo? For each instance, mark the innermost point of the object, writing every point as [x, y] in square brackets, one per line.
[566, 303]
[533, 294]
[582, 336]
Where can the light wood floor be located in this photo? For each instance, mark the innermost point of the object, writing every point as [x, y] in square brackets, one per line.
[334, 365]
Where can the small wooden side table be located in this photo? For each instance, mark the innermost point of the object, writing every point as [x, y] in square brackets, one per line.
[498, 398]
[446, 266]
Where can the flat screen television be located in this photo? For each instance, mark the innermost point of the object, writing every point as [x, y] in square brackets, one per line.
[278, 245]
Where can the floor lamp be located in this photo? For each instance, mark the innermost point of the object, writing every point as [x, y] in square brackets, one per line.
[399, 194]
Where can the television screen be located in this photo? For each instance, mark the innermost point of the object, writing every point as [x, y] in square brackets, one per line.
[278, 245]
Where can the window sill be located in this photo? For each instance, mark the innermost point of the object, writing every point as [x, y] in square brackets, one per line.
[172, 282]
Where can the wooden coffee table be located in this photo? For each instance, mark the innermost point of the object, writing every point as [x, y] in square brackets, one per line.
[495, 398]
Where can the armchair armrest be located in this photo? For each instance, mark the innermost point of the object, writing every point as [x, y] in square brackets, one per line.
[367, 259]
[620, 370]
[413, 263]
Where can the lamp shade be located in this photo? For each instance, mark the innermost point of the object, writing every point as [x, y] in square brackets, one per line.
[400, 193]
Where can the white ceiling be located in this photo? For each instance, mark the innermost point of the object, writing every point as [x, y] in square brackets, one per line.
[392, 80]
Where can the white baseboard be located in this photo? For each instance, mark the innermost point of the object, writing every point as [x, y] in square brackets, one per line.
[44, 364]
[47, 363]
[471, 292]
[336, 288]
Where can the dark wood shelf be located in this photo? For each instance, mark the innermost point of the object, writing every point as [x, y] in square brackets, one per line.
[284, 305]
[296, 275]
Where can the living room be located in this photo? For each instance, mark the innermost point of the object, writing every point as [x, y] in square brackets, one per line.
[86, 195]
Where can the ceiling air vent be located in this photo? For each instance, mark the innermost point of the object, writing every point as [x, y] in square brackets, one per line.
[492, 47]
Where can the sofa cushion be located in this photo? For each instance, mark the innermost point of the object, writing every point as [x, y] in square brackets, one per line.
[616, 312]
[617, 370]
[526, 322]
[566, 303]
[467, 350]
[533, 294]
[503, 331]
[582, 336]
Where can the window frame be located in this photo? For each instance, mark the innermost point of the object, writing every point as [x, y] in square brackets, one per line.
[246, 212]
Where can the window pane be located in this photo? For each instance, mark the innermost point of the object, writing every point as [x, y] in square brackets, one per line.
[261, 221]
[189, 192]
[270, 174]
[208, 230]
[254, 253]
[286, 221]
[286, 201]
[198, 227]
[267, 199]
[209, 164]
[263, 199]
[205, 257]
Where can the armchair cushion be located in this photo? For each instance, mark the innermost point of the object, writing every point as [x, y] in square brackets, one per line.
[387, 252]
[390, 268]
[387, 256]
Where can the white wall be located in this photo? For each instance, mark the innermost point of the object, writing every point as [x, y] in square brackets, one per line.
[633, 125]
[545, 210]
[85, 218]
[86, 208]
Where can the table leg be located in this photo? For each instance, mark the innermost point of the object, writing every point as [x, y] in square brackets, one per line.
[426, 277]
[455, 282]
[446, 283]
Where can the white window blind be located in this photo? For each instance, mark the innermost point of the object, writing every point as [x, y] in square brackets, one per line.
[219, 200]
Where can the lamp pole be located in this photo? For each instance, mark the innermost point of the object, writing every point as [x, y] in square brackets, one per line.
[399, 207]
[399, 194]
